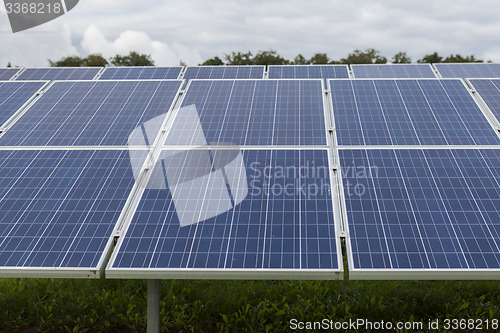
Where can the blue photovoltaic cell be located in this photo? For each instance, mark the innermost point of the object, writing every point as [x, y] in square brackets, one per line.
[408, 112]
[309, 72]
[400, 71]
[141, 73]
[224, 72]
[93, 113]
[423, 209]
[489, 90]
[7, 73]
[255, 112]
[469, 70]
[59, 73]
[13, 95]
[58, 208]
[285, 221]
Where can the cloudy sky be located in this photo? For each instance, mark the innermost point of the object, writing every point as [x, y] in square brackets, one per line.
[195, 30]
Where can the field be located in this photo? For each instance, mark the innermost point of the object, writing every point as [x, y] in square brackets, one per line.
[33, 305]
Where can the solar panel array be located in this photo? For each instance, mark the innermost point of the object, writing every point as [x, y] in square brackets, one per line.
[231, 175]
[7, 73]
[396, 71]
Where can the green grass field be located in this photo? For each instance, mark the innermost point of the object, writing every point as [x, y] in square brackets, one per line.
[33, 305]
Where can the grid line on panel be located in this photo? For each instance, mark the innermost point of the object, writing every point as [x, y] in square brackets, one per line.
[7, 73]
[141, 73]
[395, 71]
[309, 72]
[489, 91]
[469, 70]
[408, 112]
[92, 113]
[14, 95]
[440, 208]
[224, 72]
[59, 73]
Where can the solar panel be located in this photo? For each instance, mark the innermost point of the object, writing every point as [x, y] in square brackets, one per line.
[141, 73]
[7, 73]
[469, 70]
[275, 222]
[393, 71]
[254, 112]
[15, 94]
[92, 113]
[417, 214]
[59, 73]
[58, 209]
[309, 72]
[224, 72]
[408, 112]
[489, 90]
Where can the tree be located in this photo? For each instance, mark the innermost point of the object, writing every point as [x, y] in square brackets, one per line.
[401, 58]
[300, 60]
[9, 65]
[459, 58]
[133, 59]
[431, 59]
[72, 61]
[369, 56]
[319, 59]
[239, 58]
[270, 57]
[95, 60]
[215, 61]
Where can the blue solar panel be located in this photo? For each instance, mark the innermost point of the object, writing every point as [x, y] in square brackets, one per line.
[422, 210]
[92, 113]
[7, 73]
[224, 72]
[59, 73]
[255, 112]
[489, 90]
[58, 208]
[13, 95]
[469, 70]
[399, 71]
[141, 73]
[309, 72]
[408, 112]
[284, 220]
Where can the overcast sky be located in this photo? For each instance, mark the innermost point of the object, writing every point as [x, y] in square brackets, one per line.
[195, 30]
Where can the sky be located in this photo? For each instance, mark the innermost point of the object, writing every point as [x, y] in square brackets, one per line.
[195, 30]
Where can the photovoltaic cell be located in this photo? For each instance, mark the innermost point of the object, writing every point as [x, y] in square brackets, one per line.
[13, 95]
[7, 73]
[408, 112]
[255, 112]
[469, 70]
[224, 72]
[399, 71]
[489, 90]
[58, 208]
[309, 72]
[285, 222]
[422, 210]
[92, 113]
[141, 73]
[59, 73]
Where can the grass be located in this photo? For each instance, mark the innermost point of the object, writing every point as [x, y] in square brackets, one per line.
[46, 305]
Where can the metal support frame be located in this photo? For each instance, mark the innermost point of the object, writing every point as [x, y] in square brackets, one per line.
[154, 319]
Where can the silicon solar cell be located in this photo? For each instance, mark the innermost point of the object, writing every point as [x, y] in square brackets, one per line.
[141, 73]
[255, 112]
[489, 90]
[13, 95]
[469, 70]
[58, 209]
[408, 112]
[399, 71]
[7, 73]
[423, 213]
[309, 72]
[283, 226]
[59, 73]
[224, 72]
[92, 113]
